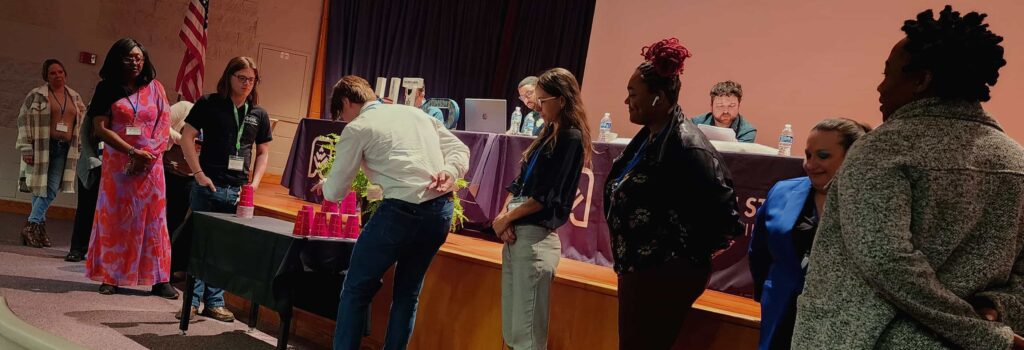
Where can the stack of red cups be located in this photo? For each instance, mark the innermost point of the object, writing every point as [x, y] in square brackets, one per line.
[245, 207]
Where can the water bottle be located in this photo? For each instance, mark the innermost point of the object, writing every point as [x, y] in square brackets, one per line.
[606, 127]
[786, 140]
[528, 125]
[517, 118]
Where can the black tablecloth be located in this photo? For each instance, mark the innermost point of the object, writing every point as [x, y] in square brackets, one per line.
[258, 259]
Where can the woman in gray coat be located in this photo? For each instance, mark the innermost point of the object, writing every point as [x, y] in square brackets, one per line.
[920, 247]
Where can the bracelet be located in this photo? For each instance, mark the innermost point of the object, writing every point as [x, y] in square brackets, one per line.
[196, 173]
[131, 151]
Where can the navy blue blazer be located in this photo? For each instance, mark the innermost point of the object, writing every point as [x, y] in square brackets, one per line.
[774, 261]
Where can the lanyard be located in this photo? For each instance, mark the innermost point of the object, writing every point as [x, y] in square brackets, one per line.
[135, 105]
[632, 163]
[240, 123]
[63, 106]
[529, 167]
[636, 158]
[370, 106]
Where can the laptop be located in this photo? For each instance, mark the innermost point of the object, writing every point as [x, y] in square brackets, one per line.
[715, 133]
[486, 115]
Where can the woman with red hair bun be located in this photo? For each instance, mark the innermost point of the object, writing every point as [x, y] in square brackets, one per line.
[669, 204]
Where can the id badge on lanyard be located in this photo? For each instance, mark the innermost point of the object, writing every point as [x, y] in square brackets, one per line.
[236, 161]
[62, 127]
[516, 202]
[133, 131]
[519, 199]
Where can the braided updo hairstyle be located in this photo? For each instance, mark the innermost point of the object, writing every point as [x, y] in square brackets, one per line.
[962, 54]
[662, 67]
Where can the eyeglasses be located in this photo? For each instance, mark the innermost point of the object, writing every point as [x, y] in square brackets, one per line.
[133, 59]
[246, 80]
[526, 97]
[541, 101]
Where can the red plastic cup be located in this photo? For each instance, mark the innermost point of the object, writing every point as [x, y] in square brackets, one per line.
[320, 225]
[350, 205]
[351, 229]
[330, 207]
[334, 225]
[301, 227]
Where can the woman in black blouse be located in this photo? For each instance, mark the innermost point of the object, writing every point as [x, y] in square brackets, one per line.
[669, 204]
[543, 194]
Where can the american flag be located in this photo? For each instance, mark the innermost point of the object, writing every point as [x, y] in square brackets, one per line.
[193, 65]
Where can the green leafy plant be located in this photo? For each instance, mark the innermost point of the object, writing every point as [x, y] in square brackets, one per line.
[361, 184]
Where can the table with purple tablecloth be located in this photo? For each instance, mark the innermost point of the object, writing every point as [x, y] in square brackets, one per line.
[494, 163]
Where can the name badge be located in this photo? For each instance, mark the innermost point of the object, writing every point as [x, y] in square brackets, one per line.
[235, 163]
[62, 127]
[515, 203]
[133, 131]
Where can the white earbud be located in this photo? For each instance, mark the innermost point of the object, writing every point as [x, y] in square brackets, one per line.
[655, 100]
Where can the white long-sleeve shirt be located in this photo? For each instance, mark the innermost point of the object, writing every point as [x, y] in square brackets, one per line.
[400, 148]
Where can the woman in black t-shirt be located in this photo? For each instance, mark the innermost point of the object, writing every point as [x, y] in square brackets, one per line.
[543, 195]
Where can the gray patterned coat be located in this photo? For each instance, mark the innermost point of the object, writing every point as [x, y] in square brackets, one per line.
[925, 215]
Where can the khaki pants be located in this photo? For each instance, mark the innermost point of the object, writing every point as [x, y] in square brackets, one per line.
[527, 269]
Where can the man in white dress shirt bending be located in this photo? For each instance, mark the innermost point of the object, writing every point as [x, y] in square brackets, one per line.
[416, 160]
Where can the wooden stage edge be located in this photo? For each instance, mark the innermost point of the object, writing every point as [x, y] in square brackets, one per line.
[734, 320]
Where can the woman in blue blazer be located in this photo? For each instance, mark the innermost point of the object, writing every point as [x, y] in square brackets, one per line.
[780, 244]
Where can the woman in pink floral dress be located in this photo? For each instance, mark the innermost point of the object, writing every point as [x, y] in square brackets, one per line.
[130, 113]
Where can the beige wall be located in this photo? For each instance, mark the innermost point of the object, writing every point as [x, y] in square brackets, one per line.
[38, 29]
[799, 61]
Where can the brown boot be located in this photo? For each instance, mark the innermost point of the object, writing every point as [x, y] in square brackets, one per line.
[43, 239]
[218, 313]
[28, 235]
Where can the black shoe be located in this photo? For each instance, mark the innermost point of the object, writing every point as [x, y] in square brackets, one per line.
[164, 290]
[107, 289]
[74, 256]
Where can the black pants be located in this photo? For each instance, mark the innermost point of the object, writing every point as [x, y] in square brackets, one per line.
[654, 301]
[87, 197]
[178, 190]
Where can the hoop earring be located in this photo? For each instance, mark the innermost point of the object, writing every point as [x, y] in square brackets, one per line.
[655, 100]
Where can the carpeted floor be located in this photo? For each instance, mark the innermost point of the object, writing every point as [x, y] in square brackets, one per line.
[54, 295]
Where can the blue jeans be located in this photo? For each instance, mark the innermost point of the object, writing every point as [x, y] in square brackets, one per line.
[399, 232]
[54, 175]
[225, 200]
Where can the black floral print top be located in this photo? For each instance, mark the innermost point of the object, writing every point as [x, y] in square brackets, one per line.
[675, 201]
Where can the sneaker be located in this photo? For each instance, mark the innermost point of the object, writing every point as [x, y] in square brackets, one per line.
[164, 290]
[219, 313]
[191, 314]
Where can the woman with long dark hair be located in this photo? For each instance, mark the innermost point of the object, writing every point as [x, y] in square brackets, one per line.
[236, 133]
[130, 113]
[543, 194]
